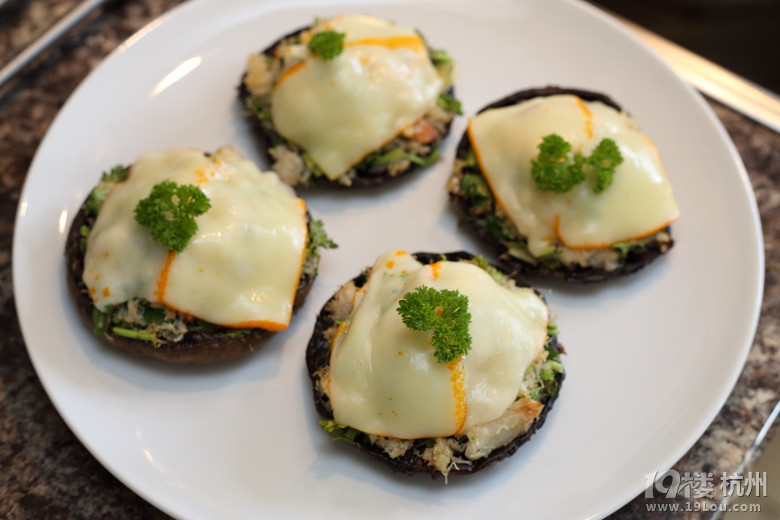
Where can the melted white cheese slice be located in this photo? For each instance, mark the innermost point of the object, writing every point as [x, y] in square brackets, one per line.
[384, 378]
[638, 203]
[341, 110]
[242, 267]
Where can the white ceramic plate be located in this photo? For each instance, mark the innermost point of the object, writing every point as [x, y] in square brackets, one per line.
[651, 358]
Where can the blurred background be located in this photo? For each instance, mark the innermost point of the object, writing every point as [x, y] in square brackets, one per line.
[740, 35]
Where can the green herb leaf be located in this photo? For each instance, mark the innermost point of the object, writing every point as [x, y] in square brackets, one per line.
[134, 334]
[555, 169]
[498, 227]
[482, 262]
[476, 189]
[99, 192]
[153, 315]
[101, 321]
[552, 329]
[95, 199]
[327, 44]
[169, 212]
[624, 247]
[439, 56]
[604, 159]
[338, 431]
[318, 238]
[423, 161]
[444, 312]
[312, 166]
[118, 173]
[449, 103]
[552, 354]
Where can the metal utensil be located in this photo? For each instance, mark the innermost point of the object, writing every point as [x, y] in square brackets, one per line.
[46, 39]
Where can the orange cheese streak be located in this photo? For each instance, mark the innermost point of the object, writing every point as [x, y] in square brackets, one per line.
[272, 325]
[250, 324]
[604, 245]
[162, 281]
[289, 72]
[482, 167]
[588, 117]
[436, 270]
[457, 378]
[392, 42]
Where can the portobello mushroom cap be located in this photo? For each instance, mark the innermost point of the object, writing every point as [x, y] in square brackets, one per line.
[318, 357]
[631, 261]
[196, 346]
[365, 175]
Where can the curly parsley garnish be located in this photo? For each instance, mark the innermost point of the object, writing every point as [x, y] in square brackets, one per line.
[327, 44]
[444, 312]
[555, 169]
[604, 159]
[169, 212]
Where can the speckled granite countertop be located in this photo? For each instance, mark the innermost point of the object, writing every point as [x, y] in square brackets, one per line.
[47, 473]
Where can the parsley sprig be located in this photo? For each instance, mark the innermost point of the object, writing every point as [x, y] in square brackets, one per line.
[327, 44]
[445, 312]
[555, 169]
[169, 212]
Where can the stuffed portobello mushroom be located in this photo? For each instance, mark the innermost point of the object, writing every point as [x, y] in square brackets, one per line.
[434, 363]
[562, 183]
[190, 257]
[352, 100]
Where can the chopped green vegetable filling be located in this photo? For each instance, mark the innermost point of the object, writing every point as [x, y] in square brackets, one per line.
[498, 227]
[481, 262]
[338, 431]
[624, 247]
[99, 192]
[316, 240]
[476, 189]
[552, 330]
[134, 334]
[449, 103]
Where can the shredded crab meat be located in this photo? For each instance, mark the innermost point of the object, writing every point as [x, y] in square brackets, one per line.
[288, 165]
[393, 447]
[260, 75]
